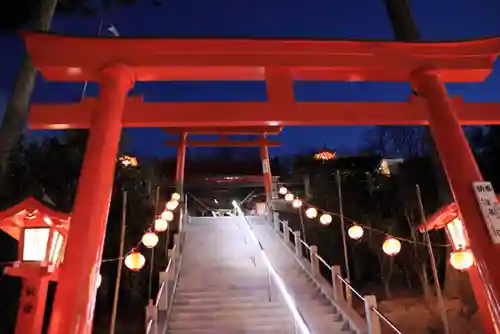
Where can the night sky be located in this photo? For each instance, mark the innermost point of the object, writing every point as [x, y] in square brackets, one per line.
[437, 20]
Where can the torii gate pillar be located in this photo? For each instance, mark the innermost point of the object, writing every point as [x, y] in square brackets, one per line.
[266, 170]
[181, 165]
[462, 170]
[73, 309]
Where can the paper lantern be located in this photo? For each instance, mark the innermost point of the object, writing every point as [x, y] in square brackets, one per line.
[296, 203]
[150, 239]
[172, 205]
[289, 197]
[325, 219]
[135, 261]
[311, 213]
[462, 259]
[161, 225]
[167, 215]
[283, 190]
[391, 246]
[176, 197]
[355, 232]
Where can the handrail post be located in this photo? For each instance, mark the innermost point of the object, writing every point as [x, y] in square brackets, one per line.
[177, 245]
[314, 260]
[164, 293]
[298, 244]
[173, 264]
[285, 230]
[372, 319]
[338, 294]
[276, 217]
[152, 314]
[277, 223]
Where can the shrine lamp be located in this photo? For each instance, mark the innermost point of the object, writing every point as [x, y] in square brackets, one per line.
[41, 232]
[128, 161]
[325, 155]
[448, 218]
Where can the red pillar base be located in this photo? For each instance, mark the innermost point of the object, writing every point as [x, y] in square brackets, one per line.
[462, 170]
[32, 305]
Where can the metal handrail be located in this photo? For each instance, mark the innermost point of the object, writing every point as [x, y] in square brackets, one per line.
[350, 287]
[374, 309]
[387, 321]
[149, 326]
[276, 278]
[323, 261]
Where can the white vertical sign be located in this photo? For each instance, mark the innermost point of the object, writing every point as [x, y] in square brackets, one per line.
[265, 166]
[488, 203]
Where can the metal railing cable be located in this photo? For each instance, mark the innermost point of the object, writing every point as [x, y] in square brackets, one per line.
[299, 318]
[379, 313]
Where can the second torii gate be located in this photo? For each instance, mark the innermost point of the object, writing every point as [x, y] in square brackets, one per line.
[262, 142]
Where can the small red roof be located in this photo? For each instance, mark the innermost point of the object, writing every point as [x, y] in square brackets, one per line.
[442, 217]
[13, 218]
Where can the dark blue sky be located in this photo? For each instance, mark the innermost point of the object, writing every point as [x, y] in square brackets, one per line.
[437, 20]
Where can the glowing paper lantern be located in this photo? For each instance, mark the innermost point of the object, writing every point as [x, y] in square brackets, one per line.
[355, 232]
[289, 197]
[391, 246]
[150, 239]
[283, 190]
[135, 261]
[325, 219]
[161, 225]
[176, 197]
[172, 205]
[167, 215]
[311, 213]
[297, 203]
[462, 259]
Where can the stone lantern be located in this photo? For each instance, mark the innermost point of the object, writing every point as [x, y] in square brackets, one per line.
[41, 233]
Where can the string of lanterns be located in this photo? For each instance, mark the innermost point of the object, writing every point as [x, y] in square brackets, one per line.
[461, 259]
[134, 260]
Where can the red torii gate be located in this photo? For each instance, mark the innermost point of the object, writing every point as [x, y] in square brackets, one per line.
[262, 142]
[119, 62]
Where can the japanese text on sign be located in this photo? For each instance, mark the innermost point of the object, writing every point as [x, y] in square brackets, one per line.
[490, 208]
[265, 166]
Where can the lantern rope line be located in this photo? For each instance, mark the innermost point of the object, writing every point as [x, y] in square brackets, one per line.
[370, 228]
[151, 228]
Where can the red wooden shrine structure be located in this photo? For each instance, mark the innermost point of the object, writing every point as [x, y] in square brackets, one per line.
[116, 64]
[42, 233]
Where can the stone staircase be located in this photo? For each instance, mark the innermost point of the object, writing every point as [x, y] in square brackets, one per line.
[225, 286]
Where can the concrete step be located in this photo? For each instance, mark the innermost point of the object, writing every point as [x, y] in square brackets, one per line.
[220, 301]
[259, 330]
[242, 323]
[255, 313]
[226, 307]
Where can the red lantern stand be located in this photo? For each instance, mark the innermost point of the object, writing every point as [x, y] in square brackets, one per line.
[119, 62]
[41, 233]
[448, 218]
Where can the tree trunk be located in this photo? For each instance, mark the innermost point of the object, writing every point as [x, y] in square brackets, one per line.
[17, 109]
